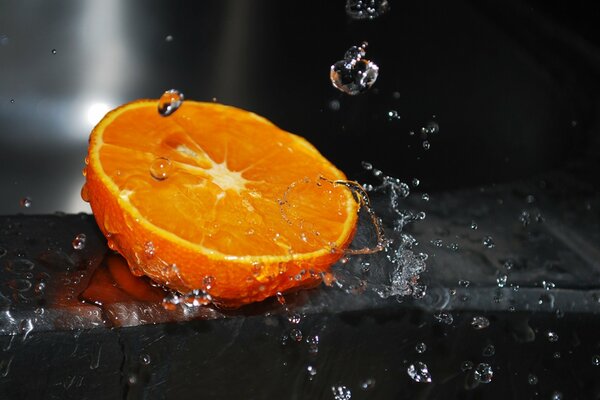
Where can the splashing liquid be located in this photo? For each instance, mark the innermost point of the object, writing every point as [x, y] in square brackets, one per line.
[366, 9]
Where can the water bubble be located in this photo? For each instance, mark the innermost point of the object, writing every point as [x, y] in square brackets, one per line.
[464, 283]
[393, 115]
[53, 51]
[25, 202]
[473, 225]
[366, 9]
[160, 168]
[501, 280]
[556, 355]
[367, 384]
[425, 197]
[367, 166]
[552, 336]
[419, 372]
[12, 101]
[488, 242]
[169, 102]
[416, 182]
[353, 74]
[341, 393]
[444, 317]
[532, 379]
[489, 350]
[78, 242]
[437, 242]
[466, 366]
[596, 360]
[420, 347]
[312, 371]
[483, 373]
[480, 322]
[426, 145]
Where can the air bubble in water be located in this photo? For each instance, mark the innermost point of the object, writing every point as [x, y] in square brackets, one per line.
[483, 373]
[354, 74]
[169, 102]
[420, 347]
[53, 51]
[532, 379]
[419, 372]
[426, 145]
[25, 202]
[341, 393]
[480, 322]
[366, 9]
[78, 242]
[160, 168]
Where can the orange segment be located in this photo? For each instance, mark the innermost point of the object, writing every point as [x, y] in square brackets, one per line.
[216, 198]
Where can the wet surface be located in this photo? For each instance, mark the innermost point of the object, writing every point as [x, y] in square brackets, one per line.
[525, 308]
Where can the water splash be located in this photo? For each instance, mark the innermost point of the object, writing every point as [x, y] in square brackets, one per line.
[341, 393]
[354, 74]
[419, 372]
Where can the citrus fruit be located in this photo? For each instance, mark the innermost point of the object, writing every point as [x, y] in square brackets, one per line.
[216, 198]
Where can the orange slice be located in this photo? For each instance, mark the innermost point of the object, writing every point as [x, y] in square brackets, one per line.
[215, 198]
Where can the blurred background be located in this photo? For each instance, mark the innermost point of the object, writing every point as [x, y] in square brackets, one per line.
[512, 85]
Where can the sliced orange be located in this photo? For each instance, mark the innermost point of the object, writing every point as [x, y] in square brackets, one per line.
[215, 198]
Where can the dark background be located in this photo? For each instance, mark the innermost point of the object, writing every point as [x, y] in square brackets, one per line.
[512, 84]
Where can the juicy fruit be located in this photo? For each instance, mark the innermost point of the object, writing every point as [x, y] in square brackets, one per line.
[215, 198]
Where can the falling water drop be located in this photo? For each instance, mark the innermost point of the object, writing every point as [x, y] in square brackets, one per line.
[78, 242]
[419, 372]
[25, 202]
[169, 102]
[354, 74]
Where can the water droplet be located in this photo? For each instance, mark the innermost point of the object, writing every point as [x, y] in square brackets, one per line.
[501, 280]
[208, 282]
[444, 317]
[53, 51]
[145, 359]
[596, 360]
[312, 371]
[466, 366]
[464, 283]
[530, 199]
[480, 322]
[488, 242]
[169, 102]
[393, 115]
[473, 225]
[547, 285]
[420, 347]
[280, 298]
[149, 249]
[169, 38]
[532, 379]
[425, 197]
[483, 373]
[367, 384]
[419, 372]
[160, 168]
[25, 202]
[556, 355]
[552, 336]
[489, 350]
[313, 343]
[84, 193]
[78, 242]
[353, 75]
[557, 395]
[341, 393]
[431, 127]
[437, 242]
[294, 318]
[416, 182]
[296, 334]
[366, 9]
[334, 105]
[12, 101]
[426, 145]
